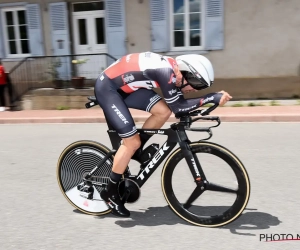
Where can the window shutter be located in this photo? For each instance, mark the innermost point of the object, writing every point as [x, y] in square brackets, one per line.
[115, 28]
[60, 37]
[2, 54]
[59, 28]
[159, 12]
[214, 24]
[35, 30]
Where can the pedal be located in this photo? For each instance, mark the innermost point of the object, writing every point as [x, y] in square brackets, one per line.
[86, 191]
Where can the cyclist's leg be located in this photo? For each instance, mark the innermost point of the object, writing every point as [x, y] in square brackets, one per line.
[160, 113]
[119, 117]
[150, 101]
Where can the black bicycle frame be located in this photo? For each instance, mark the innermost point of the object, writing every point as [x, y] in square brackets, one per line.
[160, 155]
[176, 134]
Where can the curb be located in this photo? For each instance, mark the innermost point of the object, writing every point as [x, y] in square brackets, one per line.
[138, 119]
[236, 114]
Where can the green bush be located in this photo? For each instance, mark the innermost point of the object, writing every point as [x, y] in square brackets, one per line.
[63, 108]
[238, 104]
[253, 104]
[274, 103]
[208, 105]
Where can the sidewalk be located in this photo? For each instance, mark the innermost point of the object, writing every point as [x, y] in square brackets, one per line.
[95, 115]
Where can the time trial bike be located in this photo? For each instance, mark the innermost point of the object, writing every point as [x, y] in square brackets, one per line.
[84, 167]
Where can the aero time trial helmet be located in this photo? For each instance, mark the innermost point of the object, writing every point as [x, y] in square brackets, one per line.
[197, 70]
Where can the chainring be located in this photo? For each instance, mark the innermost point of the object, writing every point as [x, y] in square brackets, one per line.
[134, 188]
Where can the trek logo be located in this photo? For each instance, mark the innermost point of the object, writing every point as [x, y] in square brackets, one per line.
[173, 91]
[203, 101]
[160, 132]
[118, 112]
[155, 159]
[127, 78]
[186, 109]
[195, 167]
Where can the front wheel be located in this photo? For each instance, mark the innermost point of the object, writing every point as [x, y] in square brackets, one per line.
[182, 203]
[74, 163]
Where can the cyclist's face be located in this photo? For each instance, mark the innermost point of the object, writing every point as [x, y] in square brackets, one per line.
[187, 88]
[179, 77]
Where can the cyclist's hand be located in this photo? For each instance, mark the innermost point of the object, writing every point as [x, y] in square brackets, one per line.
[225, 97]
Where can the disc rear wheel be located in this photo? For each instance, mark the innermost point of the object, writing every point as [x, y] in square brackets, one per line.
[74, 163]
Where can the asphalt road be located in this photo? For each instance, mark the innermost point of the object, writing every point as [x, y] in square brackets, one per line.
[35, 215]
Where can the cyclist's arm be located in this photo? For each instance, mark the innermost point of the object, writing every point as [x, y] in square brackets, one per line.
[182, 105]
[173, 96]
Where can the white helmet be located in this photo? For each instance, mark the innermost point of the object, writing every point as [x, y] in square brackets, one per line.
[197, 70]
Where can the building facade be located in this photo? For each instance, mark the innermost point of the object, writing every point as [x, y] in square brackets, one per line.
[243, 39]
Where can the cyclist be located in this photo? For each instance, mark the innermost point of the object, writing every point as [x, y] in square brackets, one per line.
[129, 83]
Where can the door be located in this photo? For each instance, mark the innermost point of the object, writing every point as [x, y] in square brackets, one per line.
[89, 38]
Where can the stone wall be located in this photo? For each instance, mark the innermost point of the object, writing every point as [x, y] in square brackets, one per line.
[51, 99]
[240, 89]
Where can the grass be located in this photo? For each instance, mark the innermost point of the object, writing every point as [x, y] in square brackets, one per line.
[274, 103]
[250, 104]
[63, 108]
[238, 104]
[253, 104]
[208, 105]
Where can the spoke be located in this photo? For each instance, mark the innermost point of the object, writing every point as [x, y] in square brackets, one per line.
[215, 187]
[196, 193]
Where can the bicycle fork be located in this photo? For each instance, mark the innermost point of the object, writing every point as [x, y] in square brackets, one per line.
[197, 172]
[193, 162]
[189, 156]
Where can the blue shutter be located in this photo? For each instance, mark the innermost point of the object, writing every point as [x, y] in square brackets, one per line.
[2, 54]
[159, 12]
[59, 28]
[35, 30]
[60, 37]
[115, 28]
[214, 24]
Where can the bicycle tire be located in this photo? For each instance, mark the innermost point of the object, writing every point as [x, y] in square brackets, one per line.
[75, 160]
[236, 165]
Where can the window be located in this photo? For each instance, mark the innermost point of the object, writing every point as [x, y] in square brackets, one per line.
[91, 6]
[100, 30]
[15, 32]
[186, 24]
